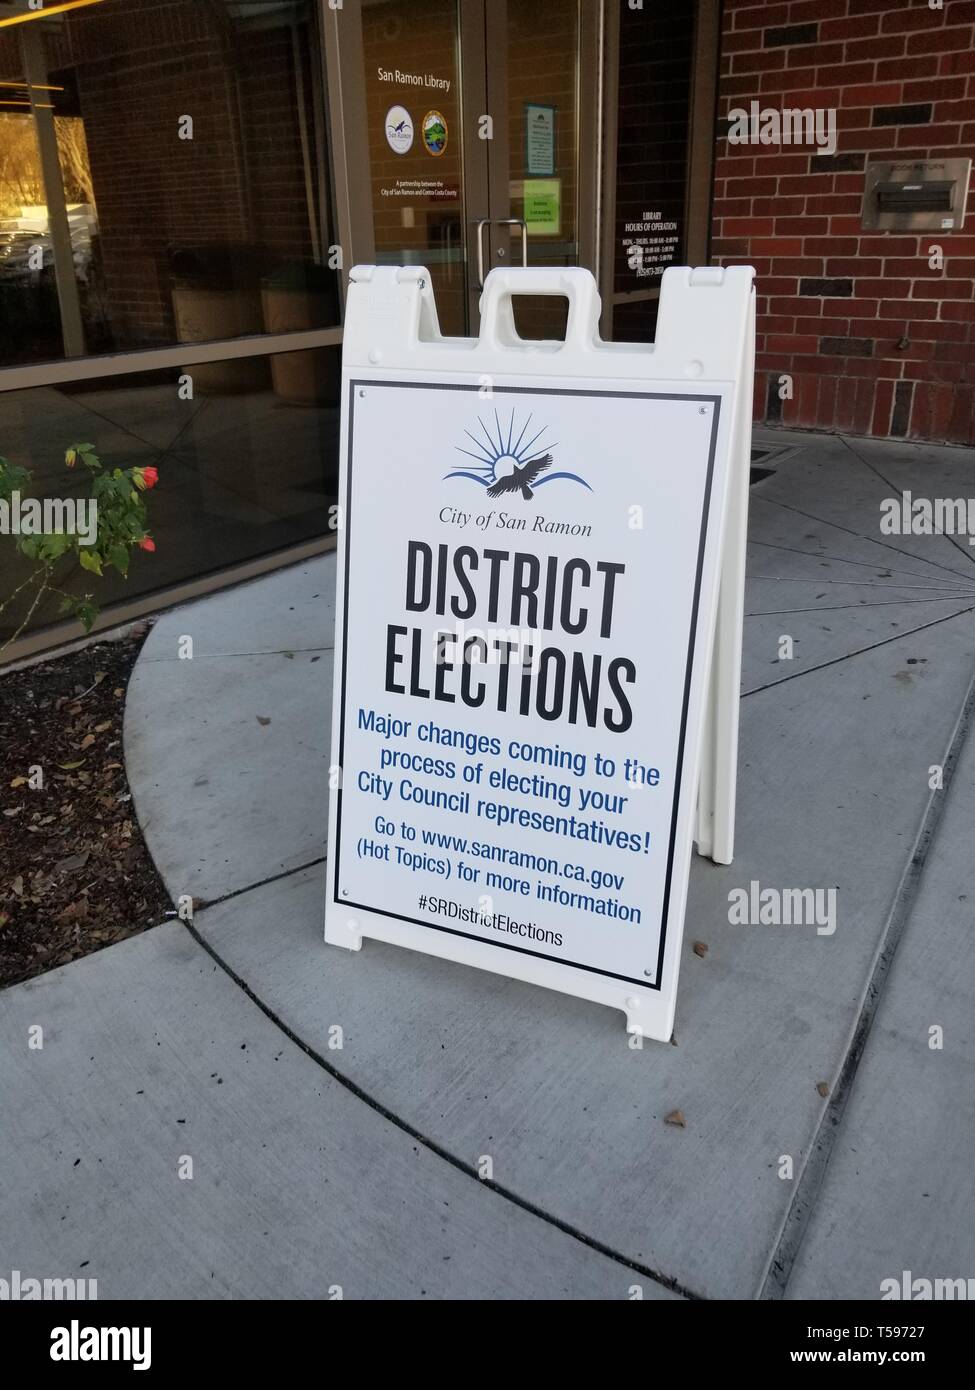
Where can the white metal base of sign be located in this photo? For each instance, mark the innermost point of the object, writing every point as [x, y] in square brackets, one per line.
[534, 815]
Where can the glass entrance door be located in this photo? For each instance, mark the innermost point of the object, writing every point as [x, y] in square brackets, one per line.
[478, 124]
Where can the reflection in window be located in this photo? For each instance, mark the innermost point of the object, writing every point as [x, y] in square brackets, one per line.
[246, 451]
[191, 199]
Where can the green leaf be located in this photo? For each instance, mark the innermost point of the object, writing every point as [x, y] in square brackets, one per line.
[53, 547]
[118, 555]
[87, 613]
[90, 561]
[13, 479]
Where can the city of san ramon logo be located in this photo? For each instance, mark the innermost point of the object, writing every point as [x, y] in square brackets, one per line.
[509, 466]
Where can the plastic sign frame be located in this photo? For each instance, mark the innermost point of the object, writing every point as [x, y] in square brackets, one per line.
[401, 376]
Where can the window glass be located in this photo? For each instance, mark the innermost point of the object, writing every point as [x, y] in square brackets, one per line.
[162, 175]
[246, 453]
[656, 49]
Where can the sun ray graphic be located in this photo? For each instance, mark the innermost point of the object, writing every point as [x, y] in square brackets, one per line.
[496, 453]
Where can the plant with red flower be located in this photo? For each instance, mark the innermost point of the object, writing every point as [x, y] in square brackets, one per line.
[145, 478]
[120, 526]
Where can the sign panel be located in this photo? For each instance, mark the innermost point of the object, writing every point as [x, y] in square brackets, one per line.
[528, 580]
[539, 139]
[522, 599]
[543, 206]
[650, 244]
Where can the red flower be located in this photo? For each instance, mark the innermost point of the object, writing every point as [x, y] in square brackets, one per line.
[147, 544]
[145, 478]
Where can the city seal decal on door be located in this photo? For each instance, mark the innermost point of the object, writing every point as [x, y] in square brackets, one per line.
[434, 130]
[509, 466]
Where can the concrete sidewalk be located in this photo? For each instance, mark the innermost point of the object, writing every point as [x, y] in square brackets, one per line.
[316, 1166]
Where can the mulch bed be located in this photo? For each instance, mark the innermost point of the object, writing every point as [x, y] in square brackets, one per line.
[75, 874]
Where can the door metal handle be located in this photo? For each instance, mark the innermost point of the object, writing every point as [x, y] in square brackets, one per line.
[484, 222]
[500, 222]
[448, 247]
[517, 222]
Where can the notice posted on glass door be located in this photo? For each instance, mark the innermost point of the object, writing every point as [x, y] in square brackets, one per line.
[522, 581]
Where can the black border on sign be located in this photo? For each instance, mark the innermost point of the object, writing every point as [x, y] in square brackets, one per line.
[715, 401]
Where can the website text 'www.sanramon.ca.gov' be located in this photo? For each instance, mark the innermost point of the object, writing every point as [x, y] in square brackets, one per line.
[522, 859]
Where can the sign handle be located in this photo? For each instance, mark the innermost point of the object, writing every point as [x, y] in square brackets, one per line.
[571, 283]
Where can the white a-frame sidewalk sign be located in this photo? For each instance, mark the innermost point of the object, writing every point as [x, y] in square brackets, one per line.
[541, 548]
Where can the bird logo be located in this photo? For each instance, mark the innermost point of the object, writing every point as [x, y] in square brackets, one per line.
[399, 129]
[521, 477]
[505, 465]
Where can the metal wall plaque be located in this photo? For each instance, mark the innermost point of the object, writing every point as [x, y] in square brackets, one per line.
[923, 195]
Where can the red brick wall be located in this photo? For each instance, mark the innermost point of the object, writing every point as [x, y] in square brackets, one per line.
[837, 303]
